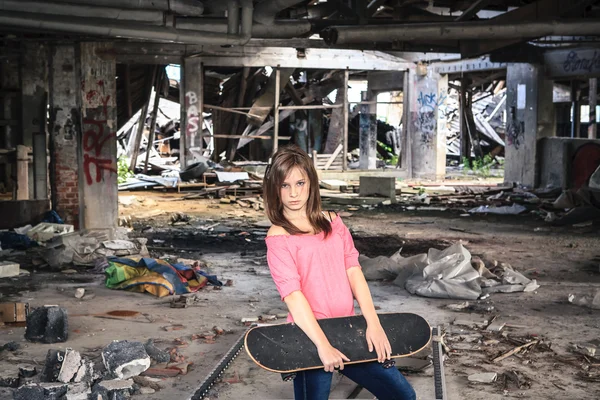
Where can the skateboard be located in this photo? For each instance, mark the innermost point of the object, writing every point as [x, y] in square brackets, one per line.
[285, 348]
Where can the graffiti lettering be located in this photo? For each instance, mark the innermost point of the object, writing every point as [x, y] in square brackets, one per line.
[193, 117]
[514, 133]
[426, 120]
[431, 100]
[574, 63]
[426, 125]
[95, 136]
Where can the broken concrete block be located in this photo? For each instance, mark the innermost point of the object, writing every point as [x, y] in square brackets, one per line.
[158, 355]
[147, 390]
[113, 389]
[52, 366]
[29, 392]
[70, 366]
[125, 359]
[495, 326]
[79, 293]
[10, 381]
[9, 269]
[85, 372]
[47, 325]
[78, 391]
[377, 185]
[484, 377]
[27, 372]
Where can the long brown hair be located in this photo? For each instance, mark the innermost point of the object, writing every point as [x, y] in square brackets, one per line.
[284, 160]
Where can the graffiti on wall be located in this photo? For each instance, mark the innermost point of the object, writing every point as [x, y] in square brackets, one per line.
[515, 133]
[426, 115]
[192, 120]
[97, 136]
[581, 63]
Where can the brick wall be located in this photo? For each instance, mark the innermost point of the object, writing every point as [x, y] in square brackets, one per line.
[65, 133]
[67, 184]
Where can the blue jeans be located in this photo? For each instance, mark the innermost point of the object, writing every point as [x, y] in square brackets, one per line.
[384, 383]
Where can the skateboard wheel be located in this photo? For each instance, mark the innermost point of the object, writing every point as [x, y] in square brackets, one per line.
[388, 364]
[288, 376]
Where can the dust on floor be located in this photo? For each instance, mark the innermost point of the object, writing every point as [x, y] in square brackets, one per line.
[559, 258]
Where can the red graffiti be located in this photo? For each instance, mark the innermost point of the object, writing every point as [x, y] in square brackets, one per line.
[100, 83]
[90, 95]
[95, 138]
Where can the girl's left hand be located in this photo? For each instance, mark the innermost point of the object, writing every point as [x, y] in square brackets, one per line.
[377, 339]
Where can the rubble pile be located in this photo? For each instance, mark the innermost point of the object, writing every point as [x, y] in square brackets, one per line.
[72, 376]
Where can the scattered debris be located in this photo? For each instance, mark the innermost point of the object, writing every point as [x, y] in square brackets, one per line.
[47, 325]
[9, 269]
[591, 300]
[483, 377]
[515, 350]
[158, 355]
[125, 359]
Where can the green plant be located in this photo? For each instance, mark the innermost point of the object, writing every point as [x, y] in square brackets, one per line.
[466, 163]
[421, 191]
[123, 171]
[480, 166]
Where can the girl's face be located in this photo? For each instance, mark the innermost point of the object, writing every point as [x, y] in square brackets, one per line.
[295, 190]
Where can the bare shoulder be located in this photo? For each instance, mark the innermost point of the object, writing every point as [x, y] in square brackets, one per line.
[277, 231]
[331, 215]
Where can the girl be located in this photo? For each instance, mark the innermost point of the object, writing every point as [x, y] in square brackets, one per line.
[315, 267]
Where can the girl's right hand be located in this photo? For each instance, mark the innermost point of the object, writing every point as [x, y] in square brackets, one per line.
[331, 358]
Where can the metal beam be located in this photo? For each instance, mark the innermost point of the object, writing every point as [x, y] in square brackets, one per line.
[476, 65]
[480, 30]
[542, 9]
[470, 12]
[308, 59]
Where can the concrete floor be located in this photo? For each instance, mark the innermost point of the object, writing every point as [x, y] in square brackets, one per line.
[559, 258]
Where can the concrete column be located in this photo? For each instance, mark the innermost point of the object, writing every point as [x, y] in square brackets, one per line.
[593, 96]
[34, 97]
[10, 134]
[428, 128]
[367, 135]
[99, 191]
[194, 103]
[65, 132]
[530, 116]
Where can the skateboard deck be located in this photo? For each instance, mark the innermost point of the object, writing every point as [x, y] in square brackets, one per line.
[285, 348]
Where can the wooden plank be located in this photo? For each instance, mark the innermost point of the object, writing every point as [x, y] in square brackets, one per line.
[345, 123]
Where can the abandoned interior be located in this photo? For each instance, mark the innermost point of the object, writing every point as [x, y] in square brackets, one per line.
[456, 139]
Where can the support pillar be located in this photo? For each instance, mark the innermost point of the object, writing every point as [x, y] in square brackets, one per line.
[99, 191]
[593, 96]
[367, 134]
[34, 100]
[65, 132]
[575, 109]
[428, 127]
[530, 117]
[192, 140]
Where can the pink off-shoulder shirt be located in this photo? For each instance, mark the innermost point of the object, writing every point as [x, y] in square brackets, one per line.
[317, 267]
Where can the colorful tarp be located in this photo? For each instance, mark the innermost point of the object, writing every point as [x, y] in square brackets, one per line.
[157, 277]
